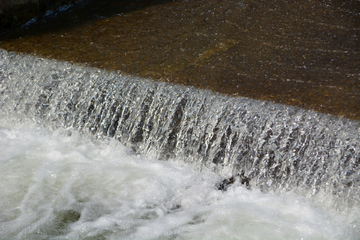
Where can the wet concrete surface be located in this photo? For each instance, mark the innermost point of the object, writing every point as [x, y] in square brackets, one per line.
[305, 54]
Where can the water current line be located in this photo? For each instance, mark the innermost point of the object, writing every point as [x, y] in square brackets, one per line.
[267, 145]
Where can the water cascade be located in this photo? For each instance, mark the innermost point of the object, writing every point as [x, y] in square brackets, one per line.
[263, 145]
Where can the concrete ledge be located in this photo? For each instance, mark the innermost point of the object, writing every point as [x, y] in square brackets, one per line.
[16, 12]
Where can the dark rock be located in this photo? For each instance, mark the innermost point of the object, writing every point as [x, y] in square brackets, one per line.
[226, 183]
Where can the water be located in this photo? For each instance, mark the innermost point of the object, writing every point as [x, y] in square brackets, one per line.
[56, 186]
[300, 53]
[66, 174]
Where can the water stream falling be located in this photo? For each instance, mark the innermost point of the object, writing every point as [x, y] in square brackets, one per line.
[260, 147]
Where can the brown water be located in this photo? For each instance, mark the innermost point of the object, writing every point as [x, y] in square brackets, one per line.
[305, 54]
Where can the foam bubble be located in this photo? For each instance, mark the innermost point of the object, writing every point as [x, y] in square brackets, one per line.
[56, 184]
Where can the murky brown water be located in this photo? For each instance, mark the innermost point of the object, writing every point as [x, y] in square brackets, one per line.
[300, 53]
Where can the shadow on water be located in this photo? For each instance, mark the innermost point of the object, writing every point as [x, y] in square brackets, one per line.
[77, 15]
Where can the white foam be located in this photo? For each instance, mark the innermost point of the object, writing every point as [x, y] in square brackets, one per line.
[56, 186]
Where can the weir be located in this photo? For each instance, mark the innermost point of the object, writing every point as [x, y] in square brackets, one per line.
[269, 146]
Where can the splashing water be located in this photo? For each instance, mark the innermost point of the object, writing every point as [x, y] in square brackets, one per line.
[56, 186]
[67, 176]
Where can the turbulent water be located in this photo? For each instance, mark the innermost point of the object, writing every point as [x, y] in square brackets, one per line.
[55, 186]
[282, 172]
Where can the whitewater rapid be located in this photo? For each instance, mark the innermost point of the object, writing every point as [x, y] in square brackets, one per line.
[90, 154]
[59, 185]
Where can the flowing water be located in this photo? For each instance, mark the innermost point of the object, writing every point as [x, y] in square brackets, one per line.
[299, 53]
[90, 154]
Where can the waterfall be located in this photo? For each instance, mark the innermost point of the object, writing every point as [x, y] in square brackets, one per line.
[265, 145]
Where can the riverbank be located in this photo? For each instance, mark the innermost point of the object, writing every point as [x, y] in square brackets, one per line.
[16, 12]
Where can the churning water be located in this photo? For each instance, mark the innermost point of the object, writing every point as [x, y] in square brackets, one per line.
[89, 154]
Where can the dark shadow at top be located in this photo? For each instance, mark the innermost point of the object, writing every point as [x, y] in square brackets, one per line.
[77, 15]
